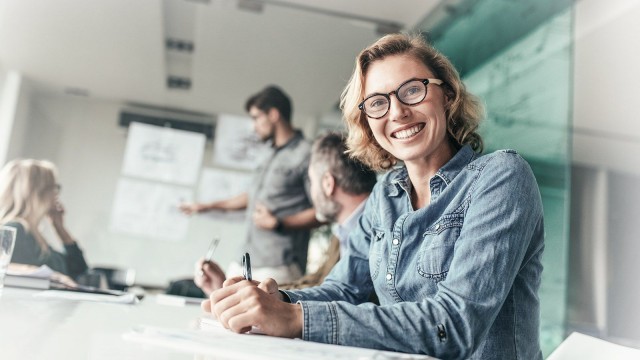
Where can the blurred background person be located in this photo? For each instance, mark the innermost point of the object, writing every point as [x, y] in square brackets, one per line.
[277, 244]
[28, 194]
[339, 187]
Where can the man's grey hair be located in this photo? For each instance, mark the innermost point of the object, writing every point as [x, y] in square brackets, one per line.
[351, 175]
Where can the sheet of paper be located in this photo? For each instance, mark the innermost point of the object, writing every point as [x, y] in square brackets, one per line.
[176, 300]
[43, 271]
[208, 323]
[236, 144]
[223, 343]
[163, 154]
[585, 347]
[150, 210]
[80, 296]
[219, 184]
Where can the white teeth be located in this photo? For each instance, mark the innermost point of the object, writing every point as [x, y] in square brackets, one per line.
[403, 134]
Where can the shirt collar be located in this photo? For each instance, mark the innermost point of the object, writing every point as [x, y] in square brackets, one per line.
[399, 179]
[297, 136]
[341, 231]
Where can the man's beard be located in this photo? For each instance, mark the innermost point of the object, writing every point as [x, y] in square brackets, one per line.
[326, 209]
[268, 137]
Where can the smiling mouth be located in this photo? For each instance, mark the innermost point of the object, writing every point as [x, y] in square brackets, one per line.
[407, 133]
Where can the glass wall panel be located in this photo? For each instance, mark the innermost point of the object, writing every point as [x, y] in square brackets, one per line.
[517, 57]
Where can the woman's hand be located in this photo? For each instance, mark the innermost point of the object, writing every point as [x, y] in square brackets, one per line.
[56, 214]
[241, 305]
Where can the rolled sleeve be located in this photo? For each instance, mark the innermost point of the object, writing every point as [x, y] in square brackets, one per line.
[314, 313]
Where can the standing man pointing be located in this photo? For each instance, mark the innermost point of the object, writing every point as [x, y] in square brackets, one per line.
[278, 245]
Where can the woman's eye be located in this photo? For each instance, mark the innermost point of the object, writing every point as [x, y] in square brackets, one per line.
[377, 103]
[413, 90]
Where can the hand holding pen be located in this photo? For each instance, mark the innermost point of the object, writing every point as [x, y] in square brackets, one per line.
[208, 274]
[244, 304]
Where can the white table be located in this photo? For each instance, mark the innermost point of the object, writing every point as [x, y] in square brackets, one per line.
[36, 328]
[41, 328]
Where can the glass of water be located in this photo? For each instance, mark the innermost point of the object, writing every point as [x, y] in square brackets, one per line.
[7, 241]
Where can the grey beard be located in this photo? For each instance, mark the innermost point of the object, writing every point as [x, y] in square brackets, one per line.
[327, 210]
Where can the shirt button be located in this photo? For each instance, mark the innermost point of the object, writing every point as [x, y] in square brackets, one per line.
[396, 241]
[437, 226]
[389, 276]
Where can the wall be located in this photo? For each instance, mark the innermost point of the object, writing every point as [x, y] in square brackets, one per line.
[10, 85]
[604, 292]
[606, 127]
[527, 114]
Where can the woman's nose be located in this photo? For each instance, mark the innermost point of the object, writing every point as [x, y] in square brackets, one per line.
[397, 110]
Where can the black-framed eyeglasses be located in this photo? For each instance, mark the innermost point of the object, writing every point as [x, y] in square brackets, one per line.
[409, 92]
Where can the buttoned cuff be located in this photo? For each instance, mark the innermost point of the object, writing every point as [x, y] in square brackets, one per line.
[292, 296]
[320, 322]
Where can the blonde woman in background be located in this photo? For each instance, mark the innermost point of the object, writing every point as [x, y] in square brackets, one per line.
[29, 193]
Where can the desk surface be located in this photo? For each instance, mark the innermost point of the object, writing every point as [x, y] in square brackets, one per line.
[40, 328]
[37, 328]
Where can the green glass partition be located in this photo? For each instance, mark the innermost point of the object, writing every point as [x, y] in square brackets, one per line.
[517, 57]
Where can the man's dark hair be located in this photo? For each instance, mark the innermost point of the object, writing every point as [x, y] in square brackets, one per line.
[269, 98]
[351, 175]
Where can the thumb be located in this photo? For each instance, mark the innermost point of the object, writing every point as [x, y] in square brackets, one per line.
[269, 285]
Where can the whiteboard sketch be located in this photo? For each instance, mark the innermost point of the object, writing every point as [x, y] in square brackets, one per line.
[218, 184]
[236, 143]
[150, 210]
[163, 154]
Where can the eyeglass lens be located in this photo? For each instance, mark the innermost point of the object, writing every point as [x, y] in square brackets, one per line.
[409, 93]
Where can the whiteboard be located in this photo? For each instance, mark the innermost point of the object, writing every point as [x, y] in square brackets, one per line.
[163, 154]
[236, 144]
[150, 210]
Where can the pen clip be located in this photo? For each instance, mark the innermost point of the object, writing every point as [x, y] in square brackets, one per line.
[246, 266]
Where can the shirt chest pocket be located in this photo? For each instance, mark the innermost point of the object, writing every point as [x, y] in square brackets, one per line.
[376, 251]
[436, 250]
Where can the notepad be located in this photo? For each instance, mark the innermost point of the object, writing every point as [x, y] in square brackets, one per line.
[42, 271]
[585, 347]
[27, 282]
[208, 323]
[30, 277]
[84, 296]
[176, 300]
[223, 343]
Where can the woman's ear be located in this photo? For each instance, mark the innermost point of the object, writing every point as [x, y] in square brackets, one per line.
[328, 184]
[448, 97]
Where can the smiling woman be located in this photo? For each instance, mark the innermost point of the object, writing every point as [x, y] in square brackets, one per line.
[460, 116]
[226, 51]
[451, 242]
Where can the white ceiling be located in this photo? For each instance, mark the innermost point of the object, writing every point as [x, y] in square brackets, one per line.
[115, 50]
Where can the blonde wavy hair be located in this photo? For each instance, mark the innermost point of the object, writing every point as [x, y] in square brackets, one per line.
[463, 110]
[27, 190]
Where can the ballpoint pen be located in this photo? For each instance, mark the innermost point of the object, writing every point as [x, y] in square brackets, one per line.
[246, 266]
[209, 256]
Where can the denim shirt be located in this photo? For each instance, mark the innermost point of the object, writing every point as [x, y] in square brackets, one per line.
[457, 279]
